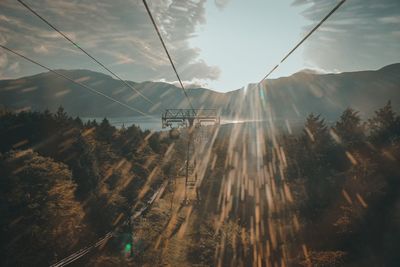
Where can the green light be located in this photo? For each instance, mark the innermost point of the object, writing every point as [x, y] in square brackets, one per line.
[128, 247]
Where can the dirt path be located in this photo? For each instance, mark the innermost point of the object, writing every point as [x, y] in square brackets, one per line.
[176, 238]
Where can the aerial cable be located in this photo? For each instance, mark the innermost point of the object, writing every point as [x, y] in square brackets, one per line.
[84, 51]
[183, 89]
[168, 55]
[75, 82]
[305, 38]
[102, 241]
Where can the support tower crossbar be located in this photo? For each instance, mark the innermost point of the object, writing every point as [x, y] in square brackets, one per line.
[189, 117]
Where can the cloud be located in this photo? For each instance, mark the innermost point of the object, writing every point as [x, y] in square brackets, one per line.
[221, 4]
[362, 34]
[122, 59]
[193, 84]
[312, 68]
[396, 34]
[14, 67]
[390, 20]
[41, 49]
[119, 34]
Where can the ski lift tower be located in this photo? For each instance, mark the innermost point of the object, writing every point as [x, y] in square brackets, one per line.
[189, 118]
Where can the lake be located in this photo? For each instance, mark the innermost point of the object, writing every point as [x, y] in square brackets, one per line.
[145, 123]
[154, 123]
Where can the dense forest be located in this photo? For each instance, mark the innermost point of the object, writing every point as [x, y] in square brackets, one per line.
[335, 187]
[64, 182]
[331, 197]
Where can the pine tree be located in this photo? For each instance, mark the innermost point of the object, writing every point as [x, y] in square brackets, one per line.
[385, 125]
[78, 122]
[315, 164]
[39, 213]
[349, 128]
[316, 134]
[105, 131]
[61, 116]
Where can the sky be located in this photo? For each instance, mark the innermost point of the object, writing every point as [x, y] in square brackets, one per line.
[218, 44]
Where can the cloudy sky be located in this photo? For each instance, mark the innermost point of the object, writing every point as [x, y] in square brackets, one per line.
[220, 44]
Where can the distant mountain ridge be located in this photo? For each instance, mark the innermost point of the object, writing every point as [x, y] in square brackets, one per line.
[291, 97]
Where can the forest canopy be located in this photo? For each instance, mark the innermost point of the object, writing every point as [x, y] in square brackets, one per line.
[66, 182]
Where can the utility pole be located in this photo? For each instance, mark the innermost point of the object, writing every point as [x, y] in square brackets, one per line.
[189, 142]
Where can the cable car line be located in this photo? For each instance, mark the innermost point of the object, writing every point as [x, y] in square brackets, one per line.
[73, 81]
[190, 131]
[102, 240]
[168, 55]
[83, 252]
[84, 51]
[304, 39]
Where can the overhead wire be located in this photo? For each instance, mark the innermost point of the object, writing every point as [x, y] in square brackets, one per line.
[73, 81]
[182, 86]
[165, 48]
[102, 241]
[83, 50]
[304, 39]
[168, 55]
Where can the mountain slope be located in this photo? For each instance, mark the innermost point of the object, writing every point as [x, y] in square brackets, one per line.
[284, 98]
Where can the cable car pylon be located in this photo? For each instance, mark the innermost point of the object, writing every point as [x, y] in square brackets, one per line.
[190, 119]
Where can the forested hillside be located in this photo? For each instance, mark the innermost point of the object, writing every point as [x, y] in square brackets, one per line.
[64, 183]
[324, 195]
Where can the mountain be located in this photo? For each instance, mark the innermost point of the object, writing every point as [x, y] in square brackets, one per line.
[291, 97]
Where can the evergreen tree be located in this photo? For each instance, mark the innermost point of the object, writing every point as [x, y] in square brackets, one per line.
[315, 164]
[131, 140]
[78, 122]
[154, 142]
[61, 116]
[39, 214]
[316, 137]
[91, 124]
[83, 164]
[105, 131]
[385, 125]
[349, 128]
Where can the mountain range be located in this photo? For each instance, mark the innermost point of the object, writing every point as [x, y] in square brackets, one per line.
[292, 97]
